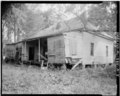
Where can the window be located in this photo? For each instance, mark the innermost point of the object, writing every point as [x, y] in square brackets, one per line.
[92, 49]
[107, 51]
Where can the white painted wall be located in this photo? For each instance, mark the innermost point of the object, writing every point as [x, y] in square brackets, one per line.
[83, 41]
[99, 49]
[74, 37]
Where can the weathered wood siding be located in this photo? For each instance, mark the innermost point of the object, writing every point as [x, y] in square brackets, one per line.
[23, 51]
[56, 49]
[10, 51]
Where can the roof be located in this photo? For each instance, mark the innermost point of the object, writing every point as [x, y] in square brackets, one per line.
[60, 27]
[15, 43]
[77, 23]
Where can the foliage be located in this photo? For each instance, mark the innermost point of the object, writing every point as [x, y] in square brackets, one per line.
[13, 17]
[33, 80]
[102, 15]
[36, 21]
[111, 71]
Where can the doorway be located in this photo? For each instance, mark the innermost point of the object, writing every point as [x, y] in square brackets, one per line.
[31, 53]
[43, 45]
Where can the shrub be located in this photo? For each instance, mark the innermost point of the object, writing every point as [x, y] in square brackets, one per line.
[110, 70]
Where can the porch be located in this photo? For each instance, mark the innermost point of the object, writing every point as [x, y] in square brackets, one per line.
[34, 51]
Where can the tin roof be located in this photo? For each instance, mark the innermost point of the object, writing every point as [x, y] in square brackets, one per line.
[61, 27]
[77, 23]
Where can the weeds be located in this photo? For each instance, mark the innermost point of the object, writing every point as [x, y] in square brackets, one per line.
[33, 80]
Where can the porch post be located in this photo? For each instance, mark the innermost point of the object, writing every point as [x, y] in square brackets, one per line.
[22, 55]
[39, 50]
[25, 51]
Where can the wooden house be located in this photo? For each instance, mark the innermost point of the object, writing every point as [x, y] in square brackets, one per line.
[69, 42]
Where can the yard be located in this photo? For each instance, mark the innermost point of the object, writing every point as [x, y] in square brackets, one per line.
[24, 79]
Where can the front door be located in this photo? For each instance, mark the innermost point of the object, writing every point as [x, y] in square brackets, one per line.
[31, 53]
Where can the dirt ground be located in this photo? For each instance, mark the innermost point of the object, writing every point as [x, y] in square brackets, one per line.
[32, 80]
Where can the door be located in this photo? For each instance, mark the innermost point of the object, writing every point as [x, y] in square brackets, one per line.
[31, 53]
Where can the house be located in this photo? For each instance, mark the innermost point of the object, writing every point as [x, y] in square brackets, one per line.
[10, 51]
[69, 42]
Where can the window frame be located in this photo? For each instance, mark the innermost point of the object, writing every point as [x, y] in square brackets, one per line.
[107, 51]
[92, 49]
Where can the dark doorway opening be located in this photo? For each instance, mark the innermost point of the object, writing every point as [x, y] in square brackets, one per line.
[43, 47]
[31, 53]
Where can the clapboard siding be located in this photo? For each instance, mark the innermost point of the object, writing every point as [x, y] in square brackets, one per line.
[10, 50]
[56, 49]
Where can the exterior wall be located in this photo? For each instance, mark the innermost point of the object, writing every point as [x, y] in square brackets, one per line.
[99, 49]
[56, 49]
[81, 42]
[25, 51]
[10, 51]
[73, 44]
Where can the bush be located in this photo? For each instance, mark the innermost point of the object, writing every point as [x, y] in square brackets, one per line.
[108, 72]
[111, 71]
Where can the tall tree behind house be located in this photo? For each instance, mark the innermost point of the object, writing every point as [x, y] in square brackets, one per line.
[21, 20]
[12, 19]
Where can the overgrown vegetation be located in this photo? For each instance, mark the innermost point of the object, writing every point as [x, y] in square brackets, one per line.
[33, 80]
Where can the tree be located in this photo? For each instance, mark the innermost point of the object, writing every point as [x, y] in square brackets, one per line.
[12, 18]
[102, 15]
[36, 21]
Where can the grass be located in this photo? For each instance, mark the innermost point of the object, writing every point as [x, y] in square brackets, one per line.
[33, 80]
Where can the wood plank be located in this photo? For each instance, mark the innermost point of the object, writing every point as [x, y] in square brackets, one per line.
[56, 49]
[25, 51]
[76, 64]
[39, 50]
